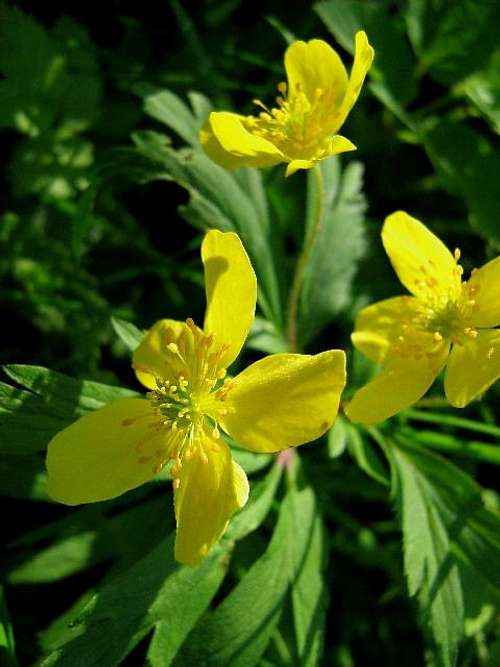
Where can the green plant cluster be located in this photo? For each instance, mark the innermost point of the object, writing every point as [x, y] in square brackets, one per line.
[375, 546]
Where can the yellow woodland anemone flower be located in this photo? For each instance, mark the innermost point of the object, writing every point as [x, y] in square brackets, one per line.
[446, 322]
[280, 401]
[302, 128]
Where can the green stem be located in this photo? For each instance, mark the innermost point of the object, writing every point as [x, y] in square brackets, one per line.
[298, 278]
[450, 420]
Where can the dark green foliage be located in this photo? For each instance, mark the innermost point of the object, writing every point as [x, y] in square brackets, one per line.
[367, 547]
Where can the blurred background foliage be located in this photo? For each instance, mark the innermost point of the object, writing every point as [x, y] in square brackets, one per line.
[105, 196]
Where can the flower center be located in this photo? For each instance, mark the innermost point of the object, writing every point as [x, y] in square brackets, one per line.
[186, 399]
[298, 126]
[437, 318]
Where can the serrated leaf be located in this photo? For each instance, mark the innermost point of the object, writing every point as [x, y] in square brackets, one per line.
[338, 249]
[218, 199]
[129, 334]
[444, 525]
[123, 611]
[239, 629]
[167, 639]
[154, 592]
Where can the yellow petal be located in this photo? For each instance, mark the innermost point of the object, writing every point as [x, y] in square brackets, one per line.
[486, 293]
[312, 66]
[104, 453]
[284, 400]
[472, 368]
[399, 385]
[378, 325]
[231, 288]
[233, 138]
[423, 263]
[295, 165]
[363, 58]
[148, 360]
[210, 490]
[213, 148]
[339, 144]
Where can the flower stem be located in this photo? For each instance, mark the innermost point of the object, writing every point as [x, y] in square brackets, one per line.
[298, 278]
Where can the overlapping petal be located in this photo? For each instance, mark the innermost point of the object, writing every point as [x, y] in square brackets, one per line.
[104, 453]
[379, 324]
[284, 400]
[472, 368]
[235, 144]
[332, 146]
[211, 489]
[363, 58]
[148, 360]
[231, 288]
[486, 284]
[423, 263]
[399, 385]
[312, 66]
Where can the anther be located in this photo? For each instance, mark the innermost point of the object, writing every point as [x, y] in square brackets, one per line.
[437, 336]
[472, 333]
[456, 254]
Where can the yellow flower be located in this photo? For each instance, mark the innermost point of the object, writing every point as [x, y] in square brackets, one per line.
[280, 401]
[446, 322]
[303, 128]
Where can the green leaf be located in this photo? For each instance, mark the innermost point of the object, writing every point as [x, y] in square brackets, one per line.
[123, 611]
[264, 337]
[337, 438]
[309, 594]
[62, 395]
[23, 476]
[86, 538]
[452, 39]
[445, 526]
[429, 565]
[483, 90]
[167, 640]
[128, 333]
[338, 249]
[468, 167]
[365, 455]
[261, 497]
[7, 644]
[239, 629]
[155, 592]
[217, 199]
[392, 69]
[168, 108]
[251, 462]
